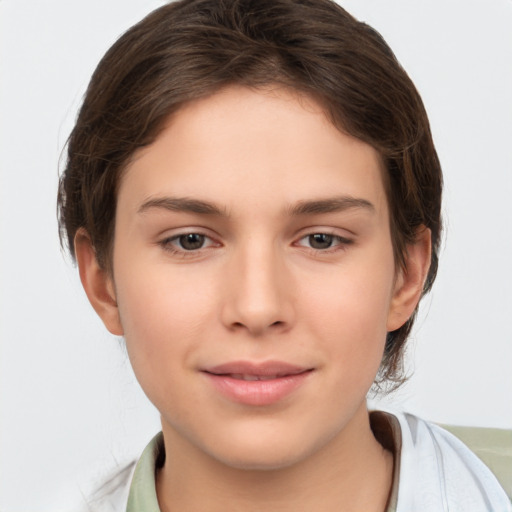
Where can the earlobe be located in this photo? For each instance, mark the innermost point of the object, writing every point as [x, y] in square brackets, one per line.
[410, 281]
[97, 283]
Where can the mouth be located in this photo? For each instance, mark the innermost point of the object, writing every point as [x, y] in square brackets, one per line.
[262, 371]
[246, 377]
[257, 384]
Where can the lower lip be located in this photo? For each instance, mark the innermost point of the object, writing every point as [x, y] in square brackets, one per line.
[257, 392]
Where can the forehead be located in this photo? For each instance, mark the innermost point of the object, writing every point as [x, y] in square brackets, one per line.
[265, 148]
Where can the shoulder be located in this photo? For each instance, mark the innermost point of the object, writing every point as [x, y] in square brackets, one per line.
[439, 472]
[108, 493]
[133, 488]
[493, 446]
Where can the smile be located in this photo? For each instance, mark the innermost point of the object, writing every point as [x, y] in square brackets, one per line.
[256, 384]
[240, 376]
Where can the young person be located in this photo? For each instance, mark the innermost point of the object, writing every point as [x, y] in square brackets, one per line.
[253, 198]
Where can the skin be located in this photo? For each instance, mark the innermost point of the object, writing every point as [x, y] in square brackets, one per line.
[260, 288]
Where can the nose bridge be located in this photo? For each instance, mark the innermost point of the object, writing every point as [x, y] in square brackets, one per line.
[257, 296]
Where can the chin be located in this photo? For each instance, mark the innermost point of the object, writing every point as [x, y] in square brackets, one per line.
[259, 461]
[260, 452]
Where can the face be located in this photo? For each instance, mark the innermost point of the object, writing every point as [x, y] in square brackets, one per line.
[254, 276]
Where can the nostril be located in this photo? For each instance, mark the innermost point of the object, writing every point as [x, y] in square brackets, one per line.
[278, 324]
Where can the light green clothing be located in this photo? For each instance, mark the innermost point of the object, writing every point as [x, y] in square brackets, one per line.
[142, 496]
[493, 446]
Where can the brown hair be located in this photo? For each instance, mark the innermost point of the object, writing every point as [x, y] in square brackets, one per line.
[189, 49]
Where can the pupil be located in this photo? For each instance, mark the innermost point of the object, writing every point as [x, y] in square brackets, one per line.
[191, 241]
[320, 241]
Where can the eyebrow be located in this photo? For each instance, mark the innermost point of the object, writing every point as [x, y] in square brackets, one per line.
[310, 207]
[182, 204]
[331, 205]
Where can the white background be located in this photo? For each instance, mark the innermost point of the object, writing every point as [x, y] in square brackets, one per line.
[69, 406]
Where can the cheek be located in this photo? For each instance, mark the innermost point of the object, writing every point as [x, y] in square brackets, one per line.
[164, 323]
[348, 315]
[164, 316]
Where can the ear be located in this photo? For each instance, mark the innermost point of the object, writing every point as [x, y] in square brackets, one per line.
[97, 282]
[410, 280]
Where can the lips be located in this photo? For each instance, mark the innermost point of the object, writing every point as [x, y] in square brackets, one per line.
[256, 384]
[241, 376]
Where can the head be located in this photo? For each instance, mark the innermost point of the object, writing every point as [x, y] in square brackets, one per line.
[187, 51]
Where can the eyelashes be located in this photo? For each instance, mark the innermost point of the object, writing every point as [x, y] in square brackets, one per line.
[190, 244]
[193, 244]
[323, 241]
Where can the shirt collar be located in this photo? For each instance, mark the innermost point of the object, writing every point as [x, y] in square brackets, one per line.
[143, 496]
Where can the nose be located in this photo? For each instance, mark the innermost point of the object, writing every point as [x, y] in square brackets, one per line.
[258, 292]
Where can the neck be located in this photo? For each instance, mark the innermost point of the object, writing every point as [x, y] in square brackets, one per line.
[352, 472]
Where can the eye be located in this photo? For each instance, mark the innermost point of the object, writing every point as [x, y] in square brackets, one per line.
[187, 242]
[323, 241]
[191, 241]
[320, 240]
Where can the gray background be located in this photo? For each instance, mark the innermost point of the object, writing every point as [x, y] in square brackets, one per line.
[69, 405]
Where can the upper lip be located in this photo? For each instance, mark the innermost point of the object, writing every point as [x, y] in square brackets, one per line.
[264, 369]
